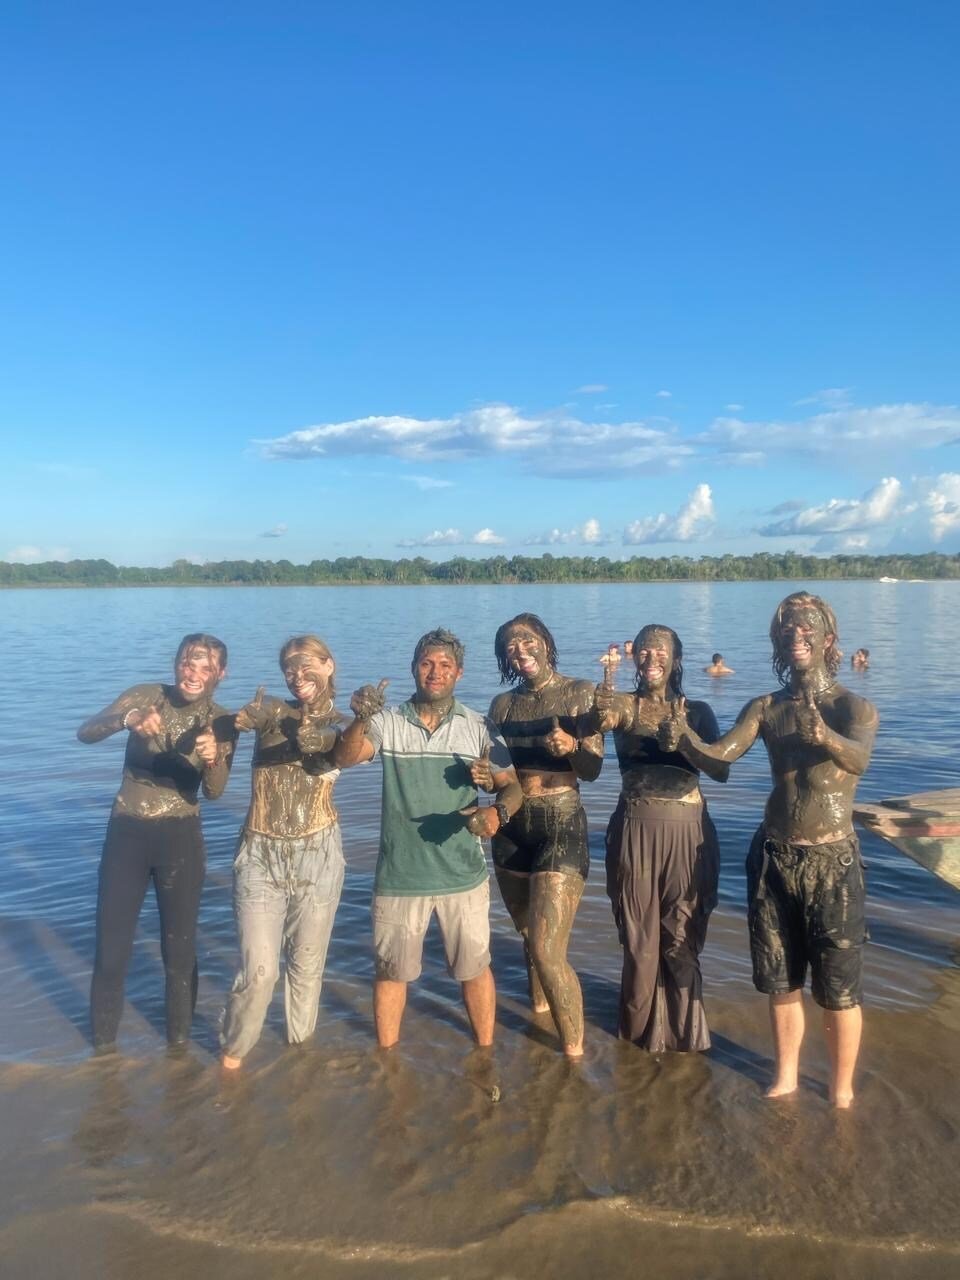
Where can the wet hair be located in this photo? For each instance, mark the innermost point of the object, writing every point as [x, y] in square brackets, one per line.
[865, 652]
[804, 599]
[316, 648]
[717, 657]
[440, 638]
[675, 679]
[201, 640]
[535, 624]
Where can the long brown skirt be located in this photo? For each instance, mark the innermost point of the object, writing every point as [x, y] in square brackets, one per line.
[663, 863]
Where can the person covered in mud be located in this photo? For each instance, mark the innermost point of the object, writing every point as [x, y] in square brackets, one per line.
[432, 749]
[541, 856]
[717, 667]
[805, 883]
[663, 861]
[179, 742]
[288, 872]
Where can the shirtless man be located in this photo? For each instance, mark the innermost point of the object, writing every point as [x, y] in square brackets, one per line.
[541, 856]
[178, 742]
[433, 749]
[718, 667]
[805, 883]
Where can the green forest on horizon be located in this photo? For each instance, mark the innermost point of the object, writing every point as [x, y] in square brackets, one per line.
[363, 570]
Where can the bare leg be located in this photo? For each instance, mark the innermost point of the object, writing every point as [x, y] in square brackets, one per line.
[842, 1029]
[786, 1021]
[515, 891]
[480, 997]
[554, 898]
[389, 1002]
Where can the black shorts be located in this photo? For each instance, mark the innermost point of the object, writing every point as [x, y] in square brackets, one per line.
[547, 834]
[806, 906]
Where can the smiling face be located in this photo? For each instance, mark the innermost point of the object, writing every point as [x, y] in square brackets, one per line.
[307, 675]
[197, 672]
[526, 653]
[436, 673]
[654, 655]
[803, 640]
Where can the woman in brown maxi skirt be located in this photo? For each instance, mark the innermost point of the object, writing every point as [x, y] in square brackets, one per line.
[662, 856]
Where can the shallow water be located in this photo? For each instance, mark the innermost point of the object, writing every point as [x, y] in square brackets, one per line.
[338, 1160]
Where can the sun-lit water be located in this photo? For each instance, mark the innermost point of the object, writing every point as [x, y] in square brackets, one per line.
[338, 1160]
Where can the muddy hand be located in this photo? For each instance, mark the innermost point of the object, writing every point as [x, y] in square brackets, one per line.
[482, 820]
[250, 716]
[368, 700]
[206, 745]
[315, 736]
[810, 723]
[604, 704]
[558, 742]
[481, 771]
[150, 722]
[672, 729]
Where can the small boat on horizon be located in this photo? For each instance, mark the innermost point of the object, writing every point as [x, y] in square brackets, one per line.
[925, 826]
[886, 579]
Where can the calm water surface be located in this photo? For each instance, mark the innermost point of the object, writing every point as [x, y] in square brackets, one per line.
[337, 1160]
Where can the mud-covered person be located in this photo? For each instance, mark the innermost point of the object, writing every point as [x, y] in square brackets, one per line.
[288, 872]
[663, 861]
[541, 856]
[179, 742]
[805, 883]
[431, 858]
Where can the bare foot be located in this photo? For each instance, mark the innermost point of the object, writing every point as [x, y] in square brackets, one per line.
[230, 1064]
[778, 1090]
[842, 1101]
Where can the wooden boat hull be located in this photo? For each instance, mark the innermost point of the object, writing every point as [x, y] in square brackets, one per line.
[925, 827]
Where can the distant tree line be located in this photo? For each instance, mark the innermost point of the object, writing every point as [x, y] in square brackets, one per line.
[355, 570]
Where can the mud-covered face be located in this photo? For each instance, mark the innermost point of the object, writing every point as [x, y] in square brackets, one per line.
[526, 652]
[197, 673]
[654, 657]
[436, 674]
[804, 639]
[307, 675]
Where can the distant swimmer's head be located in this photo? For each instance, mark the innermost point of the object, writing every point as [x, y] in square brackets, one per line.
[717, 659]
[525, 649]
[804, 636]
[658, 657]
[308, 668]
[200, 665]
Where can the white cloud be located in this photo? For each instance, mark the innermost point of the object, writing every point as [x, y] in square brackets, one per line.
[454, 538]
[828, 398]
[277, 531]
[847, 433]
[426, 483]
[588, 534]
[692, 520]
[734, 408]
[35, 555]
[592, 389]
[553, 443]
[876, 508]
[942, 500]
[664, 395]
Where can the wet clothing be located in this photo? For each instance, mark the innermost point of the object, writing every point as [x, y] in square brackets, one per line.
[285, 896]
[806, 906]
[168, 851]
[547, 833]
[663, 864]
[400, 926]
[425, 846]
[635, 750]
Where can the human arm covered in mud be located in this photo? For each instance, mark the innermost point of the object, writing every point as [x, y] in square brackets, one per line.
[491, 771]
[214, 747]
[690, 723]
[610, 710]
[676, 733]
[583, 754]
[353, 746]
[136, 709]
[849, 750]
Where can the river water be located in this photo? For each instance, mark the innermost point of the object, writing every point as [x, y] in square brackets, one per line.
[337, 1160]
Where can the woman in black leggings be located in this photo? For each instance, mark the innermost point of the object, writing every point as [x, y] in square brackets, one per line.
[178, 742]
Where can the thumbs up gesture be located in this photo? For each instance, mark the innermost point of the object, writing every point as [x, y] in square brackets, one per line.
[252, 715]
[368, 700]
[481, 771]
[558, 742]
[604, 701]
[673, 726]
[810, 723]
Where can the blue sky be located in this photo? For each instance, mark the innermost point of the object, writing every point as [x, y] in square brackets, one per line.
[308, 280]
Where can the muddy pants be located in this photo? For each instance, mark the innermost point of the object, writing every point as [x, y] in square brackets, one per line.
[286, 893]
[663, 863]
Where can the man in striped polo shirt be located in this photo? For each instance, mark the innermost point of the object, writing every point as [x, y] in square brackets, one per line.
[431, 856]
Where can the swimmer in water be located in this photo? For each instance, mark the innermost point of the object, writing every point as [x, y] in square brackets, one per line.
[718, 667]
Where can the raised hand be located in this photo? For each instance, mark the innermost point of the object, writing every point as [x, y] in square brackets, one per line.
[558, 742]
[810, 723]
[251, 716]
[481, 820]
[481, 771]
[149, 723]
[604, 702]
[673, 726]
[368, 700]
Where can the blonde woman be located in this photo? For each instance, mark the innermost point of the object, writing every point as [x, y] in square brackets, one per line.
[289, 868]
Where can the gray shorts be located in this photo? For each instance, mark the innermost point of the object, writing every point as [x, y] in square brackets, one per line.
[400, 925]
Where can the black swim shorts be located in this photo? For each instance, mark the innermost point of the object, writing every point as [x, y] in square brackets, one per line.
[549, 833]
[806, 906]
